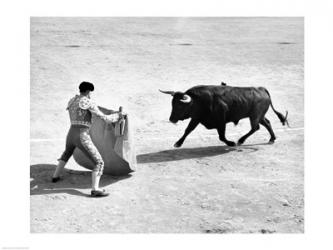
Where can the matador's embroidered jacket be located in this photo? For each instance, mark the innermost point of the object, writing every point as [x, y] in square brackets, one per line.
[80, 110]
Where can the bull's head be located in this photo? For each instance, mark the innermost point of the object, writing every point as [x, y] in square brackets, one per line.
[181, 104]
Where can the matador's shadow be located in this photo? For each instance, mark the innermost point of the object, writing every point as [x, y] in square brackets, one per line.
[41, 174]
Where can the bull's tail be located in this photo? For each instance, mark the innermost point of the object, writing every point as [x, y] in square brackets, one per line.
[282, 118]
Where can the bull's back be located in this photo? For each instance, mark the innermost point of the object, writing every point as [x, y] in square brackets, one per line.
[230, 95]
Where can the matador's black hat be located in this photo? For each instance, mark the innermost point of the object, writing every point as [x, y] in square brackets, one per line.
[84, 86]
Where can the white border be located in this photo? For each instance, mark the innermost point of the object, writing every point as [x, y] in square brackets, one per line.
[15, 122]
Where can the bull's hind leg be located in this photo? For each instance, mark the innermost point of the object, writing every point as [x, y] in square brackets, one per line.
[266, 123]
[254, 128]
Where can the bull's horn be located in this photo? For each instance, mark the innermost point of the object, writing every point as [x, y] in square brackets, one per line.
[167, 92]
[186, 99]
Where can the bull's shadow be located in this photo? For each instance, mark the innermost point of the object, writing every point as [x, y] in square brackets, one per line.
[190, 153]
[41, 175]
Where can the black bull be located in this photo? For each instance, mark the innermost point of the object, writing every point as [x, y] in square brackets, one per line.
[215, 106]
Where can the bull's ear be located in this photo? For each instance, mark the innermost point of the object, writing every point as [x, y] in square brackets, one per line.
[186, 99]
[168, 92]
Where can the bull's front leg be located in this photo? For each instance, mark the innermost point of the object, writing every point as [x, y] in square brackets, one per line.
[191, 126]
[221, 131]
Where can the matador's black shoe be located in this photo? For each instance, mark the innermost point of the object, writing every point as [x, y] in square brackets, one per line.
[55, 179]
[99, 193]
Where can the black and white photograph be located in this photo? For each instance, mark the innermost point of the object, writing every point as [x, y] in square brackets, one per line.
[164, 125]
[175, 124]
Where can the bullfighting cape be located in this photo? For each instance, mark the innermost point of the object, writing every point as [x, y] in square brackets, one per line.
[114, 143]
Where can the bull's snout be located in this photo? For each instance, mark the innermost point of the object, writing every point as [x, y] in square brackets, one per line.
[173, 120]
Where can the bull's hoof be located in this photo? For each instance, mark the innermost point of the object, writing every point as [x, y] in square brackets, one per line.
[240, 142]
[271, 141]
[177, 145]
[231, 144]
